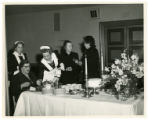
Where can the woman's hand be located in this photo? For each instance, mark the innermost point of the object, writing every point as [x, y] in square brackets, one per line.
[69, 69]
[25, 84]
[80, 63]
[76, 61]
[38, 82]
[62, 66]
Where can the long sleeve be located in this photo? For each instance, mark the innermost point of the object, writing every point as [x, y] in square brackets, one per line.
[92, 62]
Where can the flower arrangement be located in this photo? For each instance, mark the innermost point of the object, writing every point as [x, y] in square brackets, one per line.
[51, 78]
[124, 76]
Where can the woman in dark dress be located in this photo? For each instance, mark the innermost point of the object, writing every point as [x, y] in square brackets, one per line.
[92, 55]
[23, 80]
[15, 56]
[70, 60]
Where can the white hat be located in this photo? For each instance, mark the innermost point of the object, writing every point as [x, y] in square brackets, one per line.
[16, 42]
[44, 47]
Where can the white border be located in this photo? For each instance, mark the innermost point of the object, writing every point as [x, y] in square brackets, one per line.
[2, 47]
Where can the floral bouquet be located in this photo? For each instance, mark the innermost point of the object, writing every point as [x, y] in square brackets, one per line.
[124, 76]
[51, 77]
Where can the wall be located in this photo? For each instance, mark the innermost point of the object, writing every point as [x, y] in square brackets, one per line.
[36, 28]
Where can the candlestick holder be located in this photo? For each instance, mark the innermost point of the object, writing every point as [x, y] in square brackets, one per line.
[87, 93]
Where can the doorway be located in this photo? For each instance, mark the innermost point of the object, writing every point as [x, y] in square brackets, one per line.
[120, 35]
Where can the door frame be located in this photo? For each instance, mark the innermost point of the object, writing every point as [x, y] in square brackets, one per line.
[103, 26]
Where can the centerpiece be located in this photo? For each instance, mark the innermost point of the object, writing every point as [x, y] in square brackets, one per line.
[124, 78]
[50, 82]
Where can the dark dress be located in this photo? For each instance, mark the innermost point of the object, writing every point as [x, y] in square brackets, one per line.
[92, 62]
[12, 67]
[12, 64]
[20, 78]
[69, 77]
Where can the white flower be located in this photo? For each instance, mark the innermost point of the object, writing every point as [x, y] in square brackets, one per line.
[113, 74]
[117, 61]
[133, 57]
[123, 55]
[113, 66]
[117, 87]
[105, 76]
[124, 77]
[120, 72]
[125, 81]
[139, 74]
[106, 69]
[141, 67]
[134, 72]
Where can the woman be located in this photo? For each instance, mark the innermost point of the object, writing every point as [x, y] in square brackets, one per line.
[23, 80]
[92, 55]
[70, 60]
[15, 57]
[49, 70]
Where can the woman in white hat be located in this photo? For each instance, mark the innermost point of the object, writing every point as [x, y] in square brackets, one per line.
[49, 70]
[15, 58]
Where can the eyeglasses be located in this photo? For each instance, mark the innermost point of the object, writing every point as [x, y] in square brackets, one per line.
[27, 66]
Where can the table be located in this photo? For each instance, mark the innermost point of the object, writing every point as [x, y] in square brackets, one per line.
[37, 104]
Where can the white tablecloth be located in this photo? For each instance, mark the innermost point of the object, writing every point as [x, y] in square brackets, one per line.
[37, 104]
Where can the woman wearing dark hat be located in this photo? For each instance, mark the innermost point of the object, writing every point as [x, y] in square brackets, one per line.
[49, 70]
[15, 56]
[70, 60]
[92, 55]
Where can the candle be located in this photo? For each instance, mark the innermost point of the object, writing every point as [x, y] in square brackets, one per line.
[86, 72]
[102, 65]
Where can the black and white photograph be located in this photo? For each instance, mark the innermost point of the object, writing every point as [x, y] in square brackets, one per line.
[74, 60]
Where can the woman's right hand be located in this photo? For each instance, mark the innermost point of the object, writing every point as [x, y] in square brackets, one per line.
[38, 82]
[25, 84]
[69, 69]
[80, 63]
